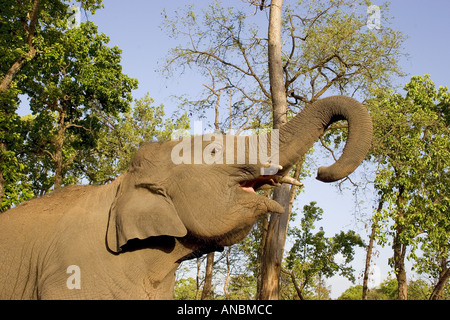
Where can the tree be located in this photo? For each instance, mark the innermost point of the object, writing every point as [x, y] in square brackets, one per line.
[277, 230]
[28, 29]
[120, 136]
[411, 147]
[417, 290]
[242, 287]
[206, 292]
[352, 293]
[13, 187]
[314, 256]
[325, 48]
[369, 253]
[185, 289]
[386, 291]
[78, 79]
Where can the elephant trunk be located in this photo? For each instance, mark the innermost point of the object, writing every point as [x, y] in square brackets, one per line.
[298, 135]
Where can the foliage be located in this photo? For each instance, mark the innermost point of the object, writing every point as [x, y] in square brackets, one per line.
[28, 29]
[352, 293]
[69, 87]
[185, 289]
[12, 171]
[411, 147]
[24, 27]
[314, 255]
[386, 291]
[417, 290]
[242, 287]
[121, 135]
[326, 47]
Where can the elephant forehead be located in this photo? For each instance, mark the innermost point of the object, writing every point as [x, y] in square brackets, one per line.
[199, 179]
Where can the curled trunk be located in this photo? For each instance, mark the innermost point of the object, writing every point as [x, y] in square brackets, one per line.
[299, 134]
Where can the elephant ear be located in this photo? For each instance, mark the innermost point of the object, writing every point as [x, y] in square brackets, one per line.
[139, 213]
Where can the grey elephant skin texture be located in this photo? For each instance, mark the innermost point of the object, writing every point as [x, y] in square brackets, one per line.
[126, 239]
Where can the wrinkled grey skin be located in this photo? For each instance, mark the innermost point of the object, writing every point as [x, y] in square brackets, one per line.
[128, 237]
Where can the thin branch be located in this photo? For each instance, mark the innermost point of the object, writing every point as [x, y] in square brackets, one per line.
[18, 64]
[50, 154]
[78, 126]
[244, 54]
[294, 282]
[200, 53]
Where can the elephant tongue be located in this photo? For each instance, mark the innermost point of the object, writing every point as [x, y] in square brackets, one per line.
[248, 189]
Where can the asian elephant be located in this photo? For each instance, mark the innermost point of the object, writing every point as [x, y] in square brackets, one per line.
[126, 239]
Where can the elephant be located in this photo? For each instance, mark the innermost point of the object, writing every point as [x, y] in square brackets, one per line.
[126, 239]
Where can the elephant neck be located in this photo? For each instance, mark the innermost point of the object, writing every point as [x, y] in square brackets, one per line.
[201, 251]
[153, 266]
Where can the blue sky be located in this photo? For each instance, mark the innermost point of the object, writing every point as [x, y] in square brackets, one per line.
[134, 26]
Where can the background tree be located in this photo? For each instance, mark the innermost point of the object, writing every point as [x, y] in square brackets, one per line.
[80, 78]
[185, 289]
[28, 28]
[387, 290]
[121, 135]
[322, 47]
[314, 256]
[411, 147]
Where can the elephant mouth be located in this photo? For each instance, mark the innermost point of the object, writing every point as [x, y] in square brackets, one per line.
[266, 182]
[248, 189]
[259, 203]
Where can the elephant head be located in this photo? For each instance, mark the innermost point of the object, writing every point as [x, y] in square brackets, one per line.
[214, 202]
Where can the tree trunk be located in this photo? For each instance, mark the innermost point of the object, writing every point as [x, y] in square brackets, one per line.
[401, 274]
[227, 279]
[400, 249]
[367, 265]
[444, 276]
[276, 78]
[197, 279]
[208, 276]
[280, 224]
[273, 251]
[59, 143]
[294, 282]
[2, 187]
[369, 254]
[2, 178]
[264, 227]
[5, 83]
[276, 234]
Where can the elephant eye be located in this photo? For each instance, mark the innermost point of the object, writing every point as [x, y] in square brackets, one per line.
[216, 149]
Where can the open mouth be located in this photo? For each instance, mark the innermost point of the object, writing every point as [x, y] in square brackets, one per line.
[268, 181]
[248, 189]
[261, 203]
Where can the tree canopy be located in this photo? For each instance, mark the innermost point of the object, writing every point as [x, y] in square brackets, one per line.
[411, 149]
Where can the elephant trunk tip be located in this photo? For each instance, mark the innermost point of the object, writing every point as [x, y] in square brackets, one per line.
[328, 174]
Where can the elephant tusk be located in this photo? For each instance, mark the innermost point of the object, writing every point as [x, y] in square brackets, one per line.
[269, 164]
[290, 180]
[275, 183]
